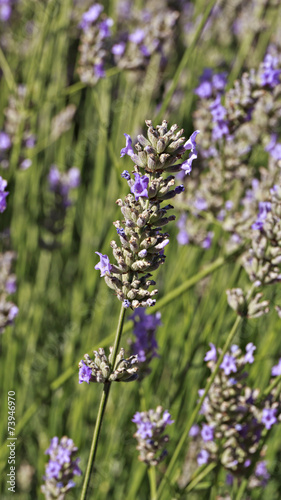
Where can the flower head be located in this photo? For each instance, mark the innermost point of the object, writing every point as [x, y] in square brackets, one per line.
[276, 370]
[3, 194]
[139, 188]
[228, 364]
[268, 417]
[128, 150]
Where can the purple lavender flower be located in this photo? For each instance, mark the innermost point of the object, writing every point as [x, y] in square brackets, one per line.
[118, 49]
[104, 27]
[261, 471]
[276, 370]
[128, 150]
[264, 209]
[274, 148]
[54, 178]
[250, 348]
[194, 430]
[268, 417]
[5, 10]
[270, 75]
[207, 242]
[202, 457]
[182, 237]
[186, 166]
[11, 284]
[125, 174]
[212, 354]
[5, 141]
[90, 16]
[99, 70]
[104, 265]
[207, 433]
[228, 365]
[139, 189]
[73, 177]
[137, 36]
[145, 326]
[209, 83]
[3, 194]
[85, 373]
[61, 468]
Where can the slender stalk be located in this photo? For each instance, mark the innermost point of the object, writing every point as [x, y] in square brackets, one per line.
[241, 491]
[198, 406]
[198, 477]
[102, 407]
[152, 481]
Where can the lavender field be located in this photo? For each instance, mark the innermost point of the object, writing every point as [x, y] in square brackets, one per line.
[140, 209]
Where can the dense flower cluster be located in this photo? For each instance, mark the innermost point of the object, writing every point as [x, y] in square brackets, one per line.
[60, 184]
[150, 427]
[226, 187]
[100, 369]
[263, 258]
[61, 468]
[140, 233]
[235, 416]
[145, 345]
[8, 286]
[139, 35]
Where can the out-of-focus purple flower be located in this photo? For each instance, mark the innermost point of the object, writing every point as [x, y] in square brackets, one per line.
[137, 36]
[212, 354]
[268, 417]
[5, 141]
[182, 237]
[220, 129]
[128, 150]
[274, 148]
[104, 265]
[194, 430]
[30, 141]
[210, 82]
[218, 111]
[118, 49]
[13, 313]
[207, 242]
[202, 457]
[54, 178]
[179, 189]
[261, 470]
[5, 10]
[270, 75]
[85, 373]
[3, 194]
[11, 284]
[200, 204]
[25, 164]
[186, 166]
[207, 433]
[264, 209]
[276, 369]
[99, 70]
[145, 326]
[73, 177]
[139, 188]
[104, 27]
[249, 358]
[90, 16]
[53, 469]
[228, 365]
[204, 404]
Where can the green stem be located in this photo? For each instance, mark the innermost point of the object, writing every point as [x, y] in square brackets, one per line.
[102, 407]
[193, 483]
[198, 406]
[152, 482]
[241, 490]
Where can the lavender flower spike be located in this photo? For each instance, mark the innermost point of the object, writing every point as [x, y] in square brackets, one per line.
[61, 468]
[104, 265]
[276, 369]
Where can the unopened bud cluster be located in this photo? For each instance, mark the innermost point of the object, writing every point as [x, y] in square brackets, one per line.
[235, 415]
[100, 368]
[8, 286]
[140, 232]
[151, 425]
[61, 468]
